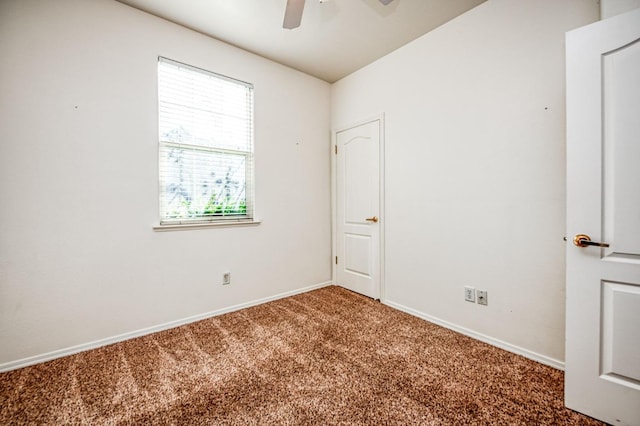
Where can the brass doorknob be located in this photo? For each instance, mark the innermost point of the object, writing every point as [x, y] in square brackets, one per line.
[372, 219]
[583, 240]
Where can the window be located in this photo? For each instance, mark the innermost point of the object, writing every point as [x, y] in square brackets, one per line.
[205, 146]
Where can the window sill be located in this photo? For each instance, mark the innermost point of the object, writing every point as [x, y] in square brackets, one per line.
[220, 224]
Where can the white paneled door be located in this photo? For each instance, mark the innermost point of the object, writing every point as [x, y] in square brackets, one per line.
[602, 360]
[358, 212]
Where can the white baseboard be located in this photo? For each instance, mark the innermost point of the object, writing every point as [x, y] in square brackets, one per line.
[37, 359]
[543, 359]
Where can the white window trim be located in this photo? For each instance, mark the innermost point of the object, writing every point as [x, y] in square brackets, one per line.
[204, 225]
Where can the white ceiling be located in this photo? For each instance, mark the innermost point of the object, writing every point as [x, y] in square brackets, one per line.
[336, 37]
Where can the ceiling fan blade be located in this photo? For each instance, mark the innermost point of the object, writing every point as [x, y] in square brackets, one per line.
[293, 14]
[385, 2]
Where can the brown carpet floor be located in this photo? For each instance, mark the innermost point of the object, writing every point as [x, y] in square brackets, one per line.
[324, 357]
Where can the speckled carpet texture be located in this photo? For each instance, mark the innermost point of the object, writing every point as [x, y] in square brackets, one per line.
[321, 358]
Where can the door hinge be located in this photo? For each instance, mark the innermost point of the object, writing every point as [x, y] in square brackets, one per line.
[336, 260]
[336, 149]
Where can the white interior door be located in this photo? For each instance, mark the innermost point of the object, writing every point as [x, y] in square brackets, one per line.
[602, 360]
[358, 208]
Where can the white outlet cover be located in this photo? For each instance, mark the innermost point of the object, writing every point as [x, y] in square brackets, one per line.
[469, 294]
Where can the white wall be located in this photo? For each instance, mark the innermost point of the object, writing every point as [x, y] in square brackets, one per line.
[475, 168]
[609, 8]
[79, 260]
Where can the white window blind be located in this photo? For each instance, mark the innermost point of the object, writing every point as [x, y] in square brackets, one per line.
[205, 145]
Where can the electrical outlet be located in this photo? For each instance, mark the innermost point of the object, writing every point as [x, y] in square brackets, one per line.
[470, 294]
[482, 297]
[226, 278]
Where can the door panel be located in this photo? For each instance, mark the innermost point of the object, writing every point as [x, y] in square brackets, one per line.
[620, 316]
[602, 359]
[358, 259]
[358, 199]
[621, 123]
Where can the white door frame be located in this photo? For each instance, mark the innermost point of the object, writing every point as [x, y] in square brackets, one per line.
[334, 201]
